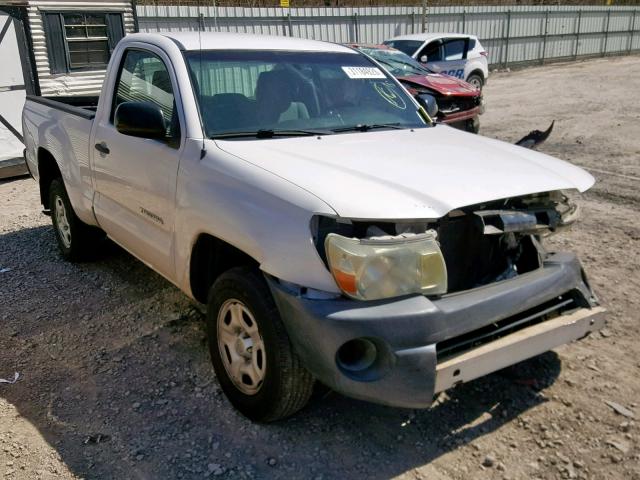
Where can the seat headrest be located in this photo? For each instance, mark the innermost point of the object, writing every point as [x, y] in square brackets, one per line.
[274, 82]
[161, 80]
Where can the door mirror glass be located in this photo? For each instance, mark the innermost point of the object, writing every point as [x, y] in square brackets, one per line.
[140, 119]
[428, 102]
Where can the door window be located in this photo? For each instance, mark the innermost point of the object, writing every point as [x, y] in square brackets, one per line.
[144, 78]
[433, 51]
[455, 49]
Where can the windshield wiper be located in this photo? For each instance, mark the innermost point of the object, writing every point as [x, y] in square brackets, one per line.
[363, 127]
[267, 133]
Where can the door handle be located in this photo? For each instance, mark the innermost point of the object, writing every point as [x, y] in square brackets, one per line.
[102, 148]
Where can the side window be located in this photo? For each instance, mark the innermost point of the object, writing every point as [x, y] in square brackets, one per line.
[455, 49]
[433, 51]
[144, 78]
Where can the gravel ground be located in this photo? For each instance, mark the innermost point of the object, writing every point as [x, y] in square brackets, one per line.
[115, 380]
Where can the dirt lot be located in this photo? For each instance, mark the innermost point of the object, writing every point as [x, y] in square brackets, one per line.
[115, 380]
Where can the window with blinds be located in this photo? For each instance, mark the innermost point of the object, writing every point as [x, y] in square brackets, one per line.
[79, 41]
[87, 40]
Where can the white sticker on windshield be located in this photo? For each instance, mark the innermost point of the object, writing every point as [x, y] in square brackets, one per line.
[363, 72]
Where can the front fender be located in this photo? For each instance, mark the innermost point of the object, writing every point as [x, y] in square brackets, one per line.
[257, 212]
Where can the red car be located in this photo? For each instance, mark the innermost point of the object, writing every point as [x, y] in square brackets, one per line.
[459, 103]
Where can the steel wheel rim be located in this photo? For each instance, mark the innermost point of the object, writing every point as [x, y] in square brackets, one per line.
[476, 83]
[241, 346]
[62, 222]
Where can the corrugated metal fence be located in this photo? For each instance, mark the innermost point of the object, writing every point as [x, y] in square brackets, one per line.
[512, 34]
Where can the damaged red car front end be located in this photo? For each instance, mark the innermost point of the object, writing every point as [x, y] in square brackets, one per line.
[459, 103]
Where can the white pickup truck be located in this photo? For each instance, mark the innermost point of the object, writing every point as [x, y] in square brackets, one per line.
[333, 231]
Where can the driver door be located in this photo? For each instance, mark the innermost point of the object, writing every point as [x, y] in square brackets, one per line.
[136, 177]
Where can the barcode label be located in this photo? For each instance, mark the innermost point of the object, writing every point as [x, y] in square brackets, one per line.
[363, 72]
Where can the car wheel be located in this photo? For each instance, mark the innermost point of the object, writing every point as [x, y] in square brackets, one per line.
[250, 350]
[76, 240]
[475, 80]
[473, 125]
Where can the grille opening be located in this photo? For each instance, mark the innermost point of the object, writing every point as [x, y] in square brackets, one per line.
[457, 104]
[474, 259]
[489, 333]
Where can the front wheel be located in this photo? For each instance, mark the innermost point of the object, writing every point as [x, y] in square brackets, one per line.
[473, 125]
[475, 80]
[250, 350]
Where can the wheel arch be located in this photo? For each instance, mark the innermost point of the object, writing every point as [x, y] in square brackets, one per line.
[48, 170]
[210, 257]
[479, 72]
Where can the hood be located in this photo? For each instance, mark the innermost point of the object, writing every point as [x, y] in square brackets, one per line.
[443, 84]
[405, 174]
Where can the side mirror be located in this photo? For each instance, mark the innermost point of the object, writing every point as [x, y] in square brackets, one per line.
[428, 102]
[423, 59]
[140, 119]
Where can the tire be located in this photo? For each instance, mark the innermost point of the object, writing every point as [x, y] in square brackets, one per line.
[473, 125]
[476, 80]
[77, 241]
[267, 386]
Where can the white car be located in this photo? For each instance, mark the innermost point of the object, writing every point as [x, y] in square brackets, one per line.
[455, 54]
[334, 231]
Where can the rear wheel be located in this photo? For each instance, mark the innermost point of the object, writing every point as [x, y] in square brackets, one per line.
[77, 241]
[250, 350]
[476, 80]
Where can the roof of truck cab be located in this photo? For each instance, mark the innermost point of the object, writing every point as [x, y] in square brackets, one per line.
[423, 37]
[240, 41]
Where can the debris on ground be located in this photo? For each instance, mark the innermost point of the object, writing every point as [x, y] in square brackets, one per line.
[16, 376]
[620, 410]
[621, 445]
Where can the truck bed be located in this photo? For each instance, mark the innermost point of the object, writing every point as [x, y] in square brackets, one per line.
[81, 105]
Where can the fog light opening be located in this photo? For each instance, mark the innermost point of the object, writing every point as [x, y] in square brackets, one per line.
[357, 355]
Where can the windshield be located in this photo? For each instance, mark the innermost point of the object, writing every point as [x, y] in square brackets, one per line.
[406, 46]
[267, 92]
[397, 63]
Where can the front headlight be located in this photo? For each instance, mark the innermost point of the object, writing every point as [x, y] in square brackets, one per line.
[384, 267]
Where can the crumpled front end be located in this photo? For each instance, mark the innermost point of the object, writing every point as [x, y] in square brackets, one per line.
[506, 300]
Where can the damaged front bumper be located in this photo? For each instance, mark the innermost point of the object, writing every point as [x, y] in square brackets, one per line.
[423, 346]
[461, 115]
